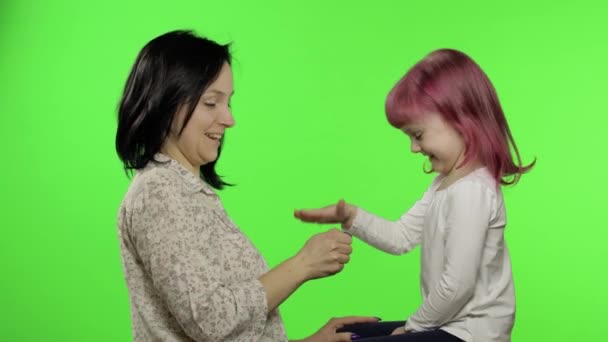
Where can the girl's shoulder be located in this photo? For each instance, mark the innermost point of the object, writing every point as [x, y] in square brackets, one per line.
[477, 180]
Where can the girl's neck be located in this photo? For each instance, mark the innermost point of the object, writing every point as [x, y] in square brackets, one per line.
[457, 173]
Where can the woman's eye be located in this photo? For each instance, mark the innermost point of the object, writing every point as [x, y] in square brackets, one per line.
[210, 104]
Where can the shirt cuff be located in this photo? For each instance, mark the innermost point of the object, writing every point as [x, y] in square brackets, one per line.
[358, 225]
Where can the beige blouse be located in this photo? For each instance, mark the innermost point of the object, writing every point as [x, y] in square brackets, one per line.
[192, 275]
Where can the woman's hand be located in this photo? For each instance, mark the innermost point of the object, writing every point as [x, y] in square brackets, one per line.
[324, 254]
[328, 333]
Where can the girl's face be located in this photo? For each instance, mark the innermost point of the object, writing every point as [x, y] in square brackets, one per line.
[199, 142]
[437, 140]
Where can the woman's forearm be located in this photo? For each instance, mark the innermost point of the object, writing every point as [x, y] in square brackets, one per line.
[281, 281]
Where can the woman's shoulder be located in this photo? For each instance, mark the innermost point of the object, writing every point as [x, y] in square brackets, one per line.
[159, 183]
[157, 177]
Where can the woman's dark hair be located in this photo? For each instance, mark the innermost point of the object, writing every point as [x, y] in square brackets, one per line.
[172, 71]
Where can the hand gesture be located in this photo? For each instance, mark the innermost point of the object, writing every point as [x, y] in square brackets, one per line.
[336, 213]
[325, 254]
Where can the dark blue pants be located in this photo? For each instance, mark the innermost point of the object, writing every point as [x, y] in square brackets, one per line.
[380, 332]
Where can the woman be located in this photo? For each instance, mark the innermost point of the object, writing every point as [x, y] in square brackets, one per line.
[192, 274]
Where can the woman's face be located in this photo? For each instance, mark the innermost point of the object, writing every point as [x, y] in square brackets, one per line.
[199, 142]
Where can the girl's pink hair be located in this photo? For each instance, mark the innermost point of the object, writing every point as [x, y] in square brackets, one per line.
[450, 83]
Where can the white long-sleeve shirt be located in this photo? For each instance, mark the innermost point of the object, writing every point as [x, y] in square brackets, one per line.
[466, 280]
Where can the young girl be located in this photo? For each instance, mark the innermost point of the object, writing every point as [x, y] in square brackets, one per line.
[450, 111]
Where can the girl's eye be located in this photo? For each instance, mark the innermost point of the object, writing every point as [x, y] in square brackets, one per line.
[210, 104]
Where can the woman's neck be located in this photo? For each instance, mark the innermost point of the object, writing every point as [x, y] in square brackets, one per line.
[174, 153]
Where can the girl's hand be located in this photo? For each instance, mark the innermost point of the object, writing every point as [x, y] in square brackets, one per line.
[336, 213]
[400, 331]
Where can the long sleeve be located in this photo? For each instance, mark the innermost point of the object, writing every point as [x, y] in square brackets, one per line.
[468, 208]
[179, 247]
[394, 237]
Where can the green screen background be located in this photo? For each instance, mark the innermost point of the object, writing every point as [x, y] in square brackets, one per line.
[311, 78]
